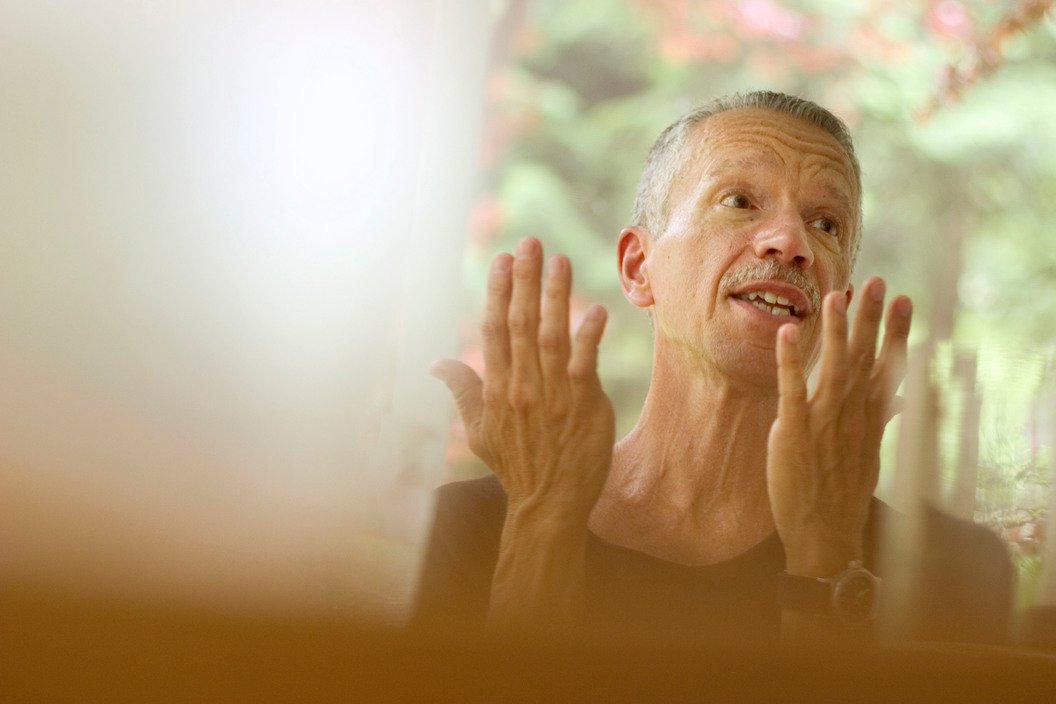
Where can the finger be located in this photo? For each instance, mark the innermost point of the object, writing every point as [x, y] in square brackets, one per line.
[465, 386]
[891, 364]
[791, 386]
[862, 351]
[582, 366]
[493, 326]
[832, 379]
[523, 317]
[553, 325]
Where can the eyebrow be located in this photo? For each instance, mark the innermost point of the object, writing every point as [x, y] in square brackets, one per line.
[748, 161]
[839, 195]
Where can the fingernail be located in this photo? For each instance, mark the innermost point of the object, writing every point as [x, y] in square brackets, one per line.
[878, 290]
[527, 247]
[500, 263]
[557, 264]
[791, 333]
[839, 304]
[904, 306]
[595, 312]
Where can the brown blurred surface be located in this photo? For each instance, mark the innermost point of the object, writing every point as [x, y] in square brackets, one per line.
[65, 648]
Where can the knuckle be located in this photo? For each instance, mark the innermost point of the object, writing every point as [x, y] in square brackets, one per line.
[521, 396]
[862, 361]
[555, 289]
[491, 327]
[837, 382]
[523, 270]
[580, 373]
[520, 321]
[797, 394]
[497, 287]
[551, 343]
[493, 395]
[587, 333]
[558, 408]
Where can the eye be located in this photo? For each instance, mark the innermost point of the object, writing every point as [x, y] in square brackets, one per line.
[825, 225]
[736, 200]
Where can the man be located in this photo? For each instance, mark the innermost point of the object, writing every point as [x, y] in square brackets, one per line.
[737, 503]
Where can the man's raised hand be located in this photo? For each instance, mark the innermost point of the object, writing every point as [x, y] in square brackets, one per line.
[824, 451]
[540, 420]
[539, 417]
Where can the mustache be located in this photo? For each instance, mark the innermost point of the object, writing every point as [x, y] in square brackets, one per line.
[772, 270]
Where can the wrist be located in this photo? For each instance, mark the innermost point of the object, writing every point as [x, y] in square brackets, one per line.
[548, 515]
[847, 599]
[541, 569]
[819, 559]
[531, 524]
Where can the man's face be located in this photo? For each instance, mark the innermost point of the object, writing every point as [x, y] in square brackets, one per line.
[760, 227]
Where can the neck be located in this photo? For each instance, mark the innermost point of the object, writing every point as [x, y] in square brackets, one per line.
[689, 482]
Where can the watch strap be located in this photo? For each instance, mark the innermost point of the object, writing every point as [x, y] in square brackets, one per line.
[810, 594]
[851, 596]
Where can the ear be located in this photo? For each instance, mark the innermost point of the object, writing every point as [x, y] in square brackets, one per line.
[634, 274]
[850, 295]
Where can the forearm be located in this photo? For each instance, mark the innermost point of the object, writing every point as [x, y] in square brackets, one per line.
[540, 578]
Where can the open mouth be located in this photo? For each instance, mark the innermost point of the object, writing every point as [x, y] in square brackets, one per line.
[771, 303]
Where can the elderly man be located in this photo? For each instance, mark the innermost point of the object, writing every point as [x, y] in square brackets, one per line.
[738, 503]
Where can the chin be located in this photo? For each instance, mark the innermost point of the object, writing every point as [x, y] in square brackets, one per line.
[747, 363]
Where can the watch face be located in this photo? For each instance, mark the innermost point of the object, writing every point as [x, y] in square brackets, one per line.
[855, 597]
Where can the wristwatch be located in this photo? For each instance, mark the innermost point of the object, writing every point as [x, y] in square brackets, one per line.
[851, 597]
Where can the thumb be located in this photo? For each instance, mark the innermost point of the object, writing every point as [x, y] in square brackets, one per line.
[464, 384]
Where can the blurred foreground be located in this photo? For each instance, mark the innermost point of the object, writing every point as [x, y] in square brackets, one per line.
[57, 649]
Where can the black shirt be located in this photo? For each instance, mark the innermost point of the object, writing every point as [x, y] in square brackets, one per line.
[967, 585]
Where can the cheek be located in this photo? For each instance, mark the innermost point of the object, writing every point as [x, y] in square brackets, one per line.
[833, 272]
[810, 347]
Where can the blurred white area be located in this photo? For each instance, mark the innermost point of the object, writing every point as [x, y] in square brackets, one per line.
[225, 262]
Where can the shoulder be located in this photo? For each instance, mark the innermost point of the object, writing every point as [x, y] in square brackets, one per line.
[482, 492]
[964, 575]
[948, 540]
[470, 507]
[460, 553]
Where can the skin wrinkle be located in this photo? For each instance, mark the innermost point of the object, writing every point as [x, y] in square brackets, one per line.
[763, 121]
[714, 371]
[716, 171]
[820, 151]
[675, 512]
[822, 147]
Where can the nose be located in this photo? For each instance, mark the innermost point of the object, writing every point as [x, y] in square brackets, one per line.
[786, 239]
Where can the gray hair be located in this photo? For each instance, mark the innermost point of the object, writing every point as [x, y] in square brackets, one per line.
[670, 153]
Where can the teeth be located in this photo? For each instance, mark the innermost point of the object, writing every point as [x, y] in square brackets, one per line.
[772, 310]
[770, 302]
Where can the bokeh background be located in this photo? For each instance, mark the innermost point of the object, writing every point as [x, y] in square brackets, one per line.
[952, 105]
[234, 234]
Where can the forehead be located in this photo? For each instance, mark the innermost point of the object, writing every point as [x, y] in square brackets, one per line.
[752, 138]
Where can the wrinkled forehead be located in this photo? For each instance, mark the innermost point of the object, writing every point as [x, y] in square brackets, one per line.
[754, 137]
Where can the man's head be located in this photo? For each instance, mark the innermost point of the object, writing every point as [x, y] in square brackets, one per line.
[674, 150]
[748, 214]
